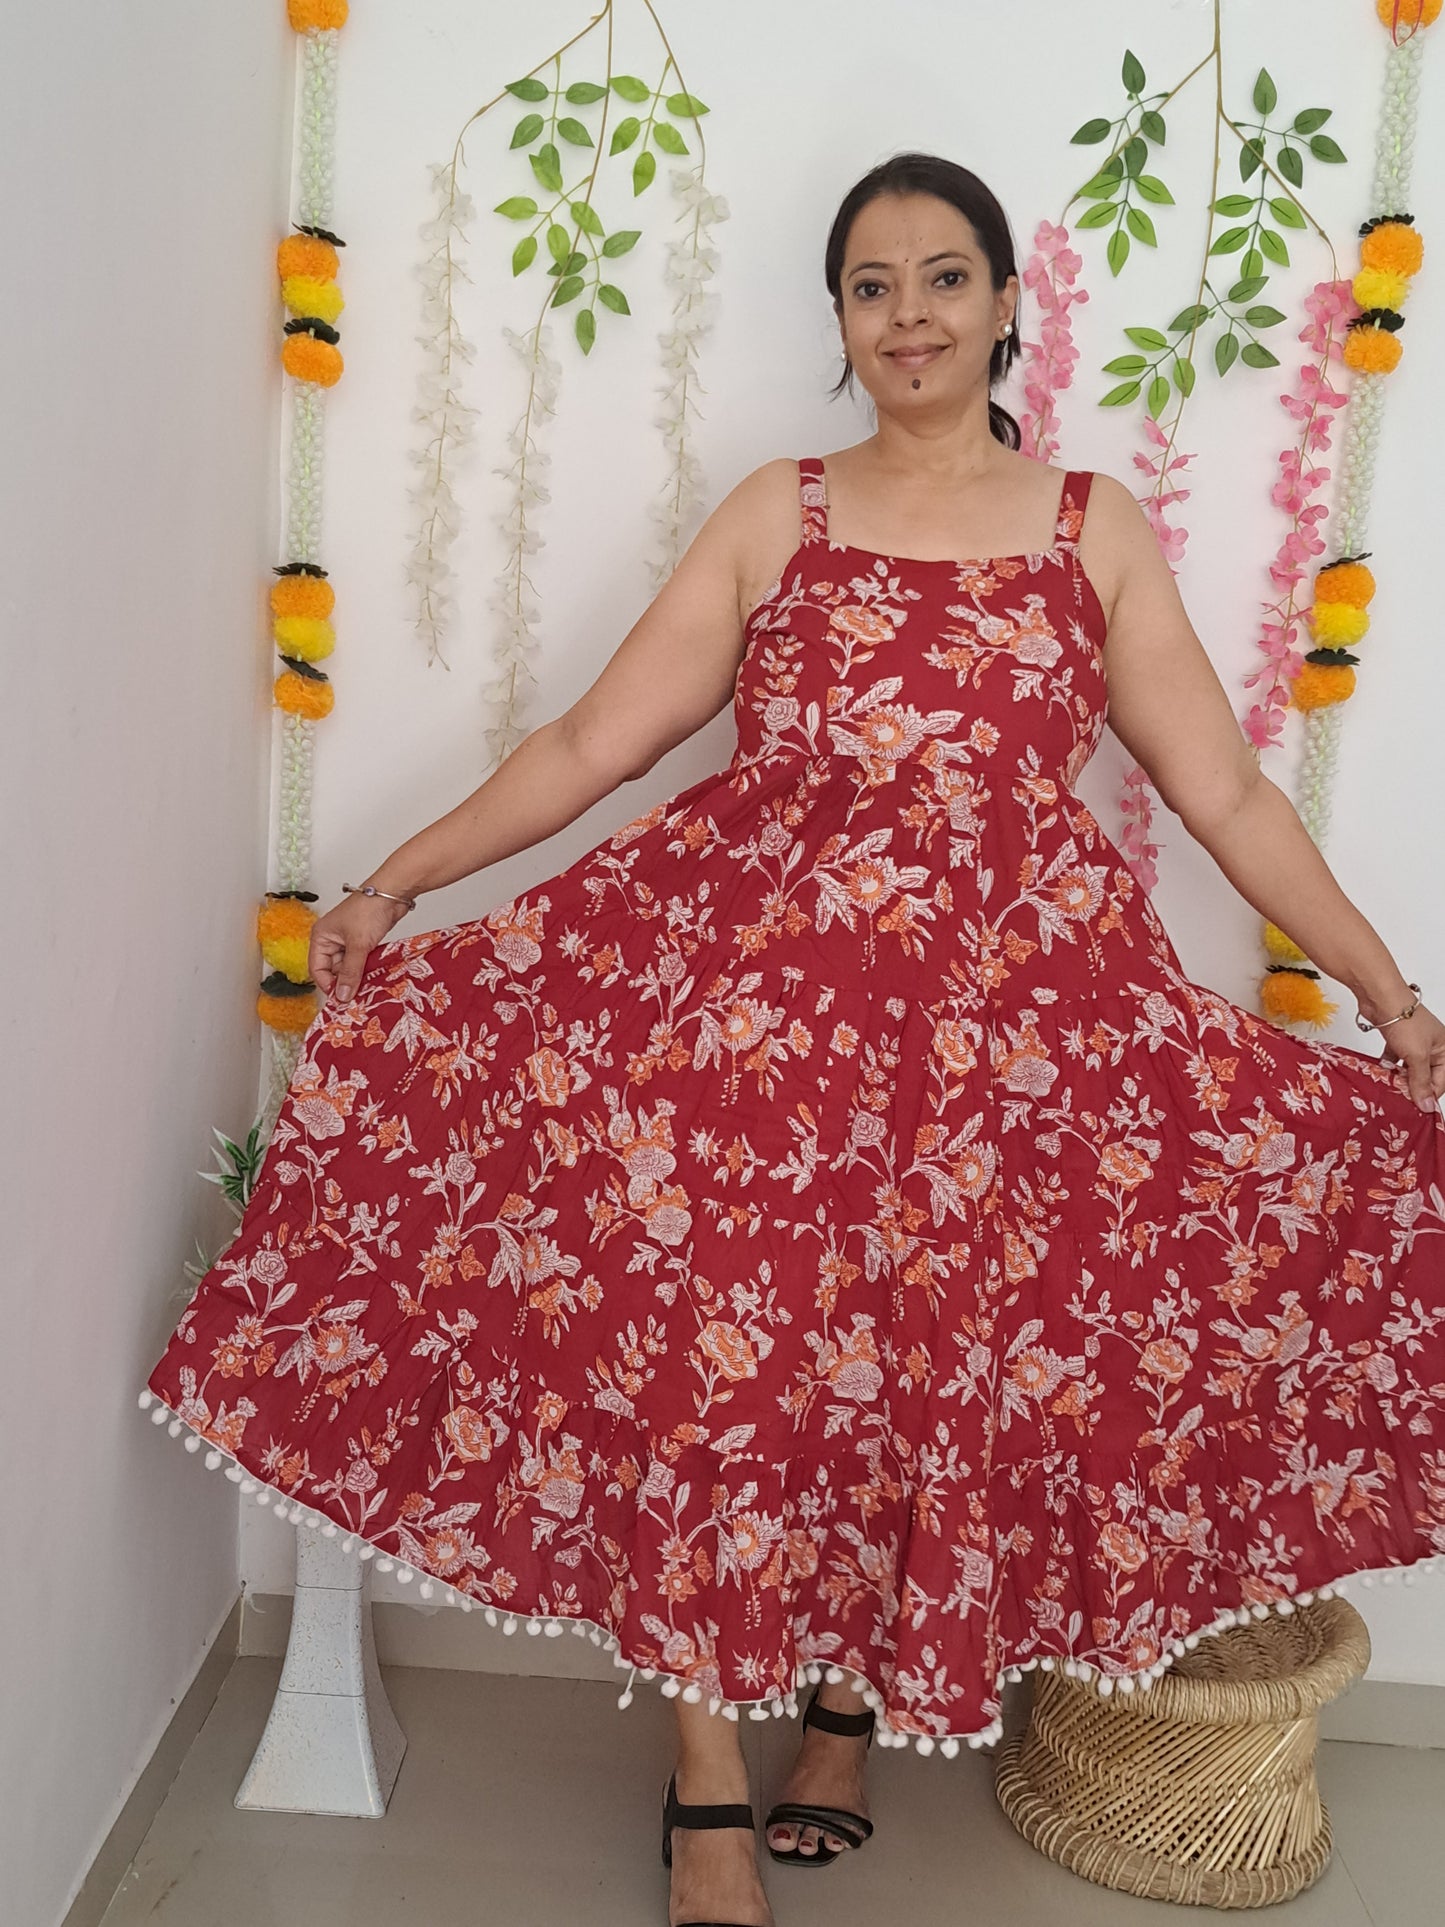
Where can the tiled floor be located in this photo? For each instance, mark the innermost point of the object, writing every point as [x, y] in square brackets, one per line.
[533, 1803]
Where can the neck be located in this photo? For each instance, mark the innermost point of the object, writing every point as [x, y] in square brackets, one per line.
[937, 447]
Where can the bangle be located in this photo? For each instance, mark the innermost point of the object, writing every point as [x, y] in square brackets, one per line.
[370, 890]
[1409, 1011]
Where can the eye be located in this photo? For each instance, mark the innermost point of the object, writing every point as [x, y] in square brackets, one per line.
[956, 273]
[861, 290]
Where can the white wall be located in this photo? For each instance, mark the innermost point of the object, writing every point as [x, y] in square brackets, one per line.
[144, 150]
[803, 101]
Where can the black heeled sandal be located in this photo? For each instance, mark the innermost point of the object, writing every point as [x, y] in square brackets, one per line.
[700, 1818]
[851, 1827]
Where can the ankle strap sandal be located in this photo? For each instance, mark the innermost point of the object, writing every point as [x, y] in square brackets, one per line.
[698, 1818]
[851, 1827]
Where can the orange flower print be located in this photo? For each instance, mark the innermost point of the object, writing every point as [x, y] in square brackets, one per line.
[550, 1077]
[1122, 1546]
[1079, 892]
[866, 626]
[470, 1434]
[729, 1349]
[1165, 1358]
[955, 1046]
[1122, 1164]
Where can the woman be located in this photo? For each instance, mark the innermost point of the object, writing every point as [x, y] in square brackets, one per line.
[823, 1227]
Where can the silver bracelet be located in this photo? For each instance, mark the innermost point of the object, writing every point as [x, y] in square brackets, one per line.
[370, 890]
[1409, 1011]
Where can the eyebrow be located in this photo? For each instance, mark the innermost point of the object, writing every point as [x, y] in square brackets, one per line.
[949, 254]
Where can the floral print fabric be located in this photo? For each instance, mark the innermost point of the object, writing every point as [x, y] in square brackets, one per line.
[824, 1223]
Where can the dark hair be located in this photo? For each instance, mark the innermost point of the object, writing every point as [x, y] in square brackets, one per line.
[930, 174]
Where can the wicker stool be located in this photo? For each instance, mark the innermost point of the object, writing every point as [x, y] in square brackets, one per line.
[1201, 1790]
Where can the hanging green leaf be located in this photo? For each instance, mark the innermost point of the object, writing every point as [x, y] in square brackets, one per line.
[1291, 165]
[521, 207]
[1183, 373]
[559, 242]
[1286, 212]
[547, 166]
[1225, 351]
[567, 290]
[1091, 133]
[1263, 317]
[1258, 356]
[1273, 247]
[1149, 338]
[582, 93]
[1118, 249]
[1135, 153]
[1247, 290]
[586, 326]
[1252, 263]
[1233, 204]
[624, 134]
[1158, 396]
[1324, 149]
[1116, 397]
[1232, 239]
[1101, 188]
[1151, 188]
[1126, 365]
[527, 130]
[574, 131]
[643, 169]
[629, 87]
[668, 138]
[1097, 216]
[569, 264]
[612, 298]
[1132, 74]
[685, 106]
[1188, 319]
[587, 218]
[1141, 227]
[1151, 126]
[529, 89]
[1251, 156]
[622, 241]
[1266, 98]
[524, 254]
[1309, 119]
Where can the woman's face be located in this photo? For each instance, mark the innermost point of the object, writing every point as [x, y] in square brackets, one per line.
[918, 313]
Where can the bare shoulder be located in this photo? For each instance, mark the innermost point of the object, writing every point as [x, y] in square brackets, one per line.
[1117, 546]
[760, 521]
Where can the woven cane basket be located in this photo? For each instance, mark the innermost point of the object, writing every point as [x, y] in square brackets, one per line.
[1201, 1790]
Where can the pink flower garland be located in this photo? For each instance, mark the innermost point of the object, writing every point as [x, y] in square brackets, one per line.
[1328, 304]
[1049, 362]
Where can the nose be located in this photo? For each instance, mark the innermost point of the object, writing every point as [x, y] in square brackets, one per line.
[910, 305]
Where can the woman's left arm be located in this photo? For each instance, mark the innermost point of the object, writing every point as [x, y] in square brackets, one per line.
[1169, 709]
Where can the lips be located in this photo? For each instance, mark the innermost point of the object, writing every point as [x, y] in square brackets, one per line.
[914, 357]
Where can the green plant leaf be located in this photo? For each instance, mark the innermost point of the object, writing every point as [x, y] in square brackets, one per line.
[1151, 126]
[685, 106]
[668, 138]
[527, 130]
[1151, 188]
[1132, 74]
[529, 89]
[1252, 263]
[1273, 247]
[574, 131]
[567, 290]
[1118, 249]
[574, 264]
[1232, 239]
[1258, 356]
[622, 241]
[559, 242]
[624, 134]
[1135, 152]
[1188, 319]
[582, 93]
[1097, 216]
[521, 207]
[547, 166]
[1247, 290]
[1310, 119]
[1126, 365]
[587, 218]
[629, 87]
[1233, 204]
[586, 326]
[1266, 97]
[1225, 351]
[1092, 132]
[1324, 149]
[1141, 227]
[1250, 157]
[1286, 211]
[643, 170]
[524, 254]
[1289, 163]
[612, 298]
[1100, 187]
[1116, 397]
[1183, 373]
[1147, 338]
[1158, 396]
[1263, 317]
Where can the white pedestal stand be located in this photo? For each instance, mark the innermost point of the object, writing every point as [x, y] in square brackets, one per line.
[332, 1743]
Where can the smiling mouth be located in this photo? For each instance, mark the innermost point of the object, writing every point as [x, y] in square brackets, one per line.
[914, 357]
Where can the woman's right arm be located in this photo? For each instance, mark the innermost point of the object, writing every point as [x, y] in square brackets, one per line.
[672, 672]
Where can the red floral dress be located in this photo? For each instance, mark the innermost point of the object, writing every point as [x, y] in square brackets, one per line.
[824, 1225]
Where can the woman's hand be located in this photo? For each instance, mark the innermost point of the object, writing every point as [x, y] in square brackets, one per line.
[345, 937]
[1416, 1044]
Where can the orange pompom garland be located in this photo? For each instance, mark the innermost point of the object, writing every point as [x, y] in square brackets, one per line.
[1370, 350]
[1347, 580]
[312, 596]
[310, 356]
[303, 691]
[1293, 996]
[1407, 13]
[1320, 683]
[327, 15]
[285, 1006]
[1392, 244]
[307, 254]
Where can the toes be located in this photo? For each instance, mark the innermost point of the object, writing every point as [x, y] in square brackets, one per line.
[782, 1838]
[834, 1842]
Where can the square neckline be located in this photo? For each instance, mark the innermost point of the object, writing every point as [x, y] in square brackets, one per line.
[937, 562]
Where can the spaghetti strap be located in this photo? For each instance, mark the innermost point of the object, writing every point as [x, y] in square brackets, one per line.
[813, 493]
[1072, 503]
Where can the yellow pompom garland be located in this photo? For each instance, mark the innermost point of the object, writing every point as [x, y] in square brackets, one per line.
[283, 930]
[1281, 948]
[304, 294]
[1334, 625]
[307, 637]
